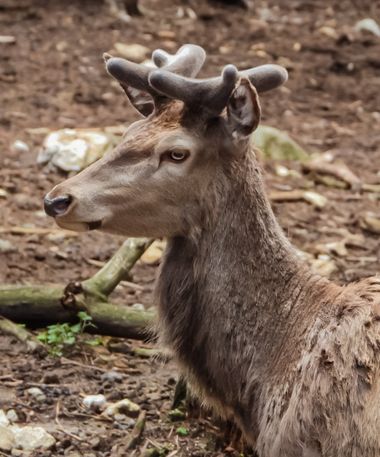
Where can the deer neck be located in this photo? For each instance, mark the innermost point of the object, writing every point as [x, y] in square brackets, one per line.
[237, 281]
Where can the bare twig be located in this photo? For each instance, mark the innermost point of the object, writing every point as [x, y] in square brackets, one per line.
[137, 431]
[116, 269]
[19, 332]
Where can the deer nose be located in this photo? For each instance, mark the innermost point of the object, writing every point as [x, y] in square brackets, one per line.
[57, 206]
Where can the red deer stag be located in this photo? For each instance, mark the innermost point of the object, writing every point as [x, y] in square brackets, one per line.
[293, 358]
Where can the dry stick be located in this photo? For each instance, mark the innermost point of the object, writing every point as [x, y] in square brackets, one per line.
[137, 431]
[10, 328]
[107, 278]
[36, 304]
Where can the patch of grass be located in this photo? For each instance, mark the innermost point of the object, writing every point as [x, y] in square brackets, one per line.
[60, 336]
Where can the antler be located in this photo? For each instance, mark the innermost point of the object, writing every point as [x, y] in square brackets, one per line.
[187, 61]
[213, 93]
[175, 78]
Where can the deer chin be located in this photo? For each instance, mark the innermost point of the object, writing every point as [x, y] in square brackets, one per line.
[78, 226]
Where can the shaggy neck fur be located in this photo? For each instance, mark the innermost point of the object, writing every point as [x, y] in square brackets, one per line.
[230, 295]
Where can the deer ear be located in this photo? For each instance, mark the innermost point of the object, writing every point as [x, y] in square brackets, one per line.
[243, 110]
[140, 100]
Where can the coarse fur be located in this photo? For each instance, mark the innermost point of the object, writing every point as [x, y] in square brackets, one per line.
[293, 358]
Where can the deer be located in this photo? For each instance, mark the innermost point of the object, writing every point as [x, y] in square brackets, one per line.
[291, 357]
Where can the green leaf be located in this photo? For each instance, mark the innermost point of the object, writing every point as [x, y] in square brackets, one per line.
[182, 431]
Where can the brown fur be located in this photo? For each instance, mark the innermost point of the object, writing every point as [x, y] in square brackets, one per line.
[291, 357]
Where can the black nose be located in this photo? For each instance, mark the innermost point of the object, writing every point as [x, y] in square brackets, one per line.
[57, 206]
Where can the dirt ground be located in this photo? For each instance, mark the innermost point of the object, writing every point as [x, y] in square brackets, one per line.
[53, 77]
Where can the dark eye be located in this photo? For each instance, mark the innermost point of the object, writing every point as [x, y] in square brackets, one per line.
[178, 156]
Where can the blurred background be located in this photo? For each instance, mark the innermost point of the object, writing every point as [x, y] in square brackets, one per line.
[52, 77]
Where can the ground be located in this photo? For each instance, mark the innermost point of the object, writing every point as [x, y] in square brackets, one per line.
[53, 77]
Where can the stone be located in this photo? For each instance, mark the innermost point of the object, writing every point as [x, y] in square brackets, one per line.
[12, 415]
[30, 438]
[20, 146]
[7, 39]
[37, 394]
[135, 52]
[277, 145]
[368, 25]
[176, 415]
[4, 421]
[6, 247]
[74, 149]
[138, 306]
[112, 376]
[125, 406]
[7, 439]
[94, 402]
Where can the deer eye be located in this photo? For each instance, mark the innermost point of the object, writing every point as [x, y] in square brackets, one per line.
[178, 156]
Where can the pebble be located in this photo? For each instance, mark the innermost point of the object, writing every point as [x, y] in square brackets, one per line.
[12, 415]
[3, 193]
[4, 421]
[124, 406]
[369, 25]
[7, 39]
[135, 52]
[20, 146]
[7, 440]
[30, 438]
[94, 402]
[138, 307]
[37, 394]
[6, 247]
[112, 376]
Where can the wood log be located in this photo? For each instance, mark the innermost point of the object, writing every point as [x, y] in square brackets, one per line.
[47, 304]
[42, 305]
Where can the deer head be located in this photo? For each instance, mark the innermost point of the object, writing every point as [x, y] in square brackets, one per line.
[154, 182]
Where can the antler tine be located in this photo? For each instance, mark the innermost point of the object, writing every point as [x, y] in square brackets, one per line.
[130, 73]
[266, 77]
[211, 93]
[187, 61]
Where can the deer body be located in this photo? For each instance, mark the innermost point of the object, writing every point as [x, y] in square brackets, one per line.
[265, 341]
[291, 357]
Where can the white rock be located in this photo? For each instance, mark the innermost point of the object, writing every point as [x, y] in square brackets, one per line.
[369, 25]
[7, 439]
[4, 422]
[20, 146]
[73, 149]
[135, 52]
[6, 247]
[94, 402]
[112, 376]
[138, 306]
[12, 415]
[36, 393]
[7, 39]
[30, 438]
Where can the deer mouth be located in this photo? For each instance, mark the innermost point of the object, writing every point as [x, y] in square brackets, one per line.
[78, 226]
[94, 225]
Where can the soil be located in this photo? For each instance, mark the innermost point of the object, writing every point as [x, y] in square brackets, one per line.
[53, 77]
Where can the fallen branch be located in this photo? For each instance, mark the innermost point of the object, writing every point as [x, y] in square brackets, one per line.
[37, 305]
[19, 332]
[337, 170]
[137, 431]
